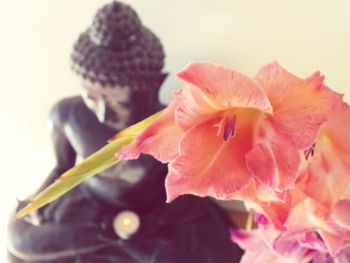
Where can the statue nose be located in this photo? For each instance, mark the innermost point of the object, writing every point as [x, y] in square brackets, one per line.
[109, 114]
[104, 112]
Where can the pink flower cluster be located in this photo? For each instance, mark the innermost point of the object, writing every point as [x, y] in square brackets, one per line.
[278, 142]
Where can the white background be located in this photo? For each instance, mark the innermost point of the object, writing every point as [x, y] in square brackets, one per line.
[36, 38]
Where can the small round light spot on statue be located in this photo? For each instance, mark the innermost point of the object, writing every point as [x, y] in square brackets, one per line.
[126, 224]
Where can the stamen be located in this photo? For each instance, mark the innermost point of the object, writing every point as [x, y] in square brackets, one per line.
[230, 127]
[219, 127]
[310, 152]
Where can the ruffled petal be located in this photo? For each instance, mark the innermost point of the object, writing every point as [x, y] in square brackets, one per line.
[277, 250]
[214, 88]
[248, 240]
[274, 164]
[321, 220]
[208, 165]
[334, 242]
[337, 129]
[341, 214]
[300, 106]
[195, 107]
[160, 139]
[329, 168]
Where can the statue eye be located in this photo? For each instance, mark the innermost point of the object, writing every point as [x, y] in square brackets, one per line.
[91, 97]
[124, 104]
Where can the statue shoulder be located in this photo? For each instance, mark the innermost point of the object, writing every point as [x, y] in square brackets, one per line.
[62, 109]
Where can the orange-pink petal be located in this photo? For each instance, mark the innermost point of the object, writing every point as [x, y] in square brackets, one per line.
[341, 214]
[329, 168]
[160, 139]
[300, 106]
[212, 88]
[275, 165]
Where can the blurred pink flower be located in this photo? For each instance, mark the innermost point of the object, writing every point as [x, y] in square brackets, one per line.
[300, 248]
[228, 136]
[331, 225]
[303, 214]
[309, 237]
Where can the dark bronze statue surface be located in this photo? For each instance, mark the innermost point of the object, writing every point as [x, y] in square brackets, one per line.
[120, 62]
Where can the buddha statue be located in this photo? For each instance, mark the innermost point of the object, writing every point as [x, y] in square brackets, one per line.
[119, 215]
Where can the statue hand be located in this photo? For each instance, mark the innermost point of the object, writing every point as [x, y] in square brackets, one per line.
[34, 217]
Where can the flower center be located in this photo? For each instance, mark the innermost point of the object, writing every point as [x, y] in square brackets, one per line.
[310, 152]
[227, 126]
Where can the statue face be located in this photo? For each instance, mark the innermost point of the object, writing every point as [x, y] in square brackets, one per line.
[111, 105]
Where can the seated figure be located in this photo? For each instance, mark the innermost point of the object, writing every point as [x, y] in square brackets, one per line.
[119, 215]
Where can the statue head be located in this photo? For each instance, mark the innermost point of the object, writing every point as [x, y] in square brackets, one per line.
[120, 62]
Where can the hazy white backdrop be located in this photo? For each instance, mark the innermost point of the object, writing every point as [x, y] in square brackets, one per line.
[36, 38]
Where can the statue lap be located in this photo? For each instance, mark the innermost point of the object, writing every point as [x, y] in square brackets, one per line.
[190, 229]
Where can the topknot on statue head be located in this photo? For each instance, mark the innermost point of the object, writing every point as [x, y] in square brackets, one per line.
[118, 50]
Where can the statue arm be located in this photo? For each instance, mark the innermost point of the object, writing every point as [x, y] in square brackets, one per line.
[65, 155]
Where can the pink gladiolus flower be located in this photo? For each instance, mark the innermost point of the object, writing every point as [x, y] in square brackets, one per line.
[310, 236]
[333, 226]
[224, 132]
[305, 247]
[302, 214]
